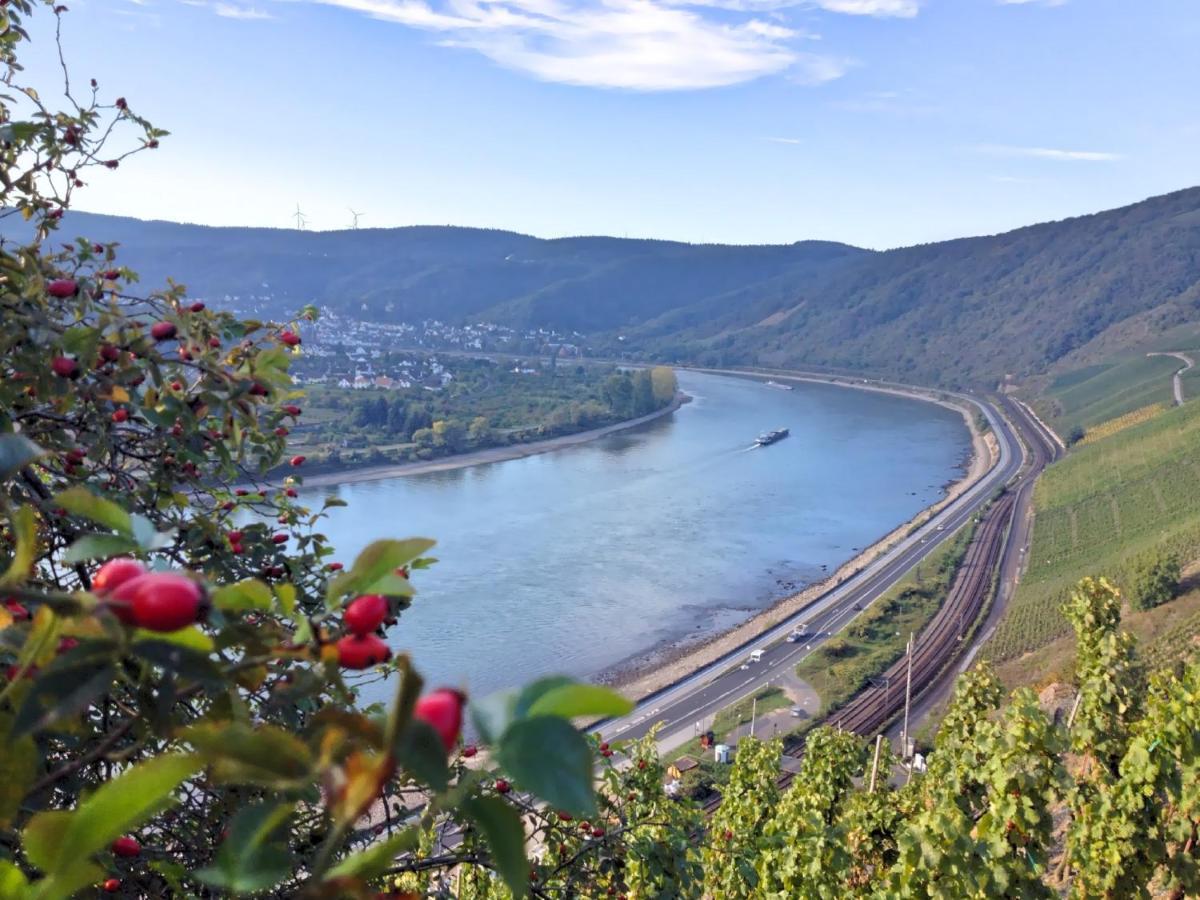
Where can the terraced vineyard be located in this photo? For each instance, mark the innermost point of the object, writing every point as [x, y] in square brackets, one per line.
[1104, 504]
[1086, 397]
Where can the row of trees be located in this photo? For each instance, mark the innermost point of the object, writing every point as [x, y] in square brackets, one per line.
[400, 417]
[639, 392]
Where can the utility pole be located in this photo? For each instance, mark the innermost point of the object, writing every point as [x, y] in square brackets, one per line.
[875, 764]
[907, 700]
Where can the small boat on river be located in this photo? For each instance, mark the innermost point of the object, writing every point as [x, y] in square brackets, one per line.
[771, 437]
[776, 384]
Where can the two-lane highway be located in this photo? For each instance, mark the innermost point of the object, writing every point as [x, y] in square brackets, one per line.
[724, 681]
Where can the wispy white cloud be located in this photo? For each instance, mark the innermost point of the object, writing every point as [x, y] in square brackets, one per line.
[248, 13]
[1050, 153]
[903, 9]
[783, 140]
[645, 45]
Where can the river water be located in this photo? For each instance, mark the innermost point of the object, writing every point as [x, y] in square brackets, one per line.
[582, 559]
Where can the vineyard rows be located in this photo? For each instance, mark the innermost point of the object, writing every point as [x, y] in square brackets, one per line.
[1098, 509]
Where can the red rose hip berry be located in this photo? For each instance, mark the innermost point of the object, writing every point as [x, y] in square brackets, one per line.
[65, 367]
[127, 847]
[365, 614]
[442, 710]
[165, 601]
[163, 331]
[115, 573]
[362, 651]
[62, 288]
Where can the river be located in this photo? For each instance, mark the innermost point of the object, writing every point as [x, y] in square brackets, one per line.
[581, 559]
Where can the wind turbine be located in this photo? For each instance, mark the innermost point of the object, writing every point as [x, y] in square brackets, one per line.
[301, 219]
[356, 217]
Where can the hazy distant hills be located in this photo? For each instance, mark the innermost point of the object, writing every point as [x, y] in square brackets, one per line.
[954, 312]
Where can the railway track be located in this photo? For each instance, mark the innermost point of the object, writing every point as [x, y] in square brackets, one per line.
[942, 640]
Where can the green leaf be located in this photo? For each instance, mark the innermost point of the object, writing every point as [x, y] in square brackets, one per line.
[149, 538]
[286, 595]
[42, 836]
[377, 858]
[190, 637]
[250, 593]
[99, 546]
[24, 525]
[373, 564]
[17, 451]
[501, 826]
[13, 883]
[81, 340]
[547, 756]
[122, 804]
[494, 713]
[246, 862]
[420, 751]
[570, 700]
[83, 503]
[19, 763]
[240, 754]
[535, 690]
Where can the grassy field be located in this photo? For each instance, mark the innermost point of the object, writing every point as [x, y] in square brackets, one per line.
[1086, 397]
[1098, 508]
[876, 639]
[765, 701]
[1191, 379]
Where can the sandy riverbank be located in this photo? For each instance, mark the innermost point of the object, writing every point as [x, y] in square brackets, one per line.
[479, 457]
[667, 664]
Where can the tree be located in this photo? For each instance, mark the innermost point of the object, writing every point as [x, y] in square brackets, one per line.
[480, 432]
[397, 415]
[617, 391]
[643, 393]
[1075, 435]
[1153, 579]
[664, 384]
[449, 434]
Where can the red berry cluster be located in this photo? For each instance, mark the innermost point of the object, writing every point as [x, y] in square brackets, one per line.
[156, 601]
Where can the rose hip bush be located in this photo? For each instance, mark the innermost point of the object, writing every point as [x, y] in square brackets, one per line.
[180, 654]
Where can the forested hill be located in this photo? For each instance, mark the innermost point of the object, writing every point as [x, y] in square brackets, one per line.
[955, 312]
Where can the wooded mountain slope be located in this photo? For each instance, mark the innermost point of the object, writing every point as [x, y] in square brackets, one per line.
[957, 312]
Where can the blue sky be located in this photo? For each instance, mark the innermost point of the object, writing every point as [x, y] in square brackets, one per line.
[876, 122]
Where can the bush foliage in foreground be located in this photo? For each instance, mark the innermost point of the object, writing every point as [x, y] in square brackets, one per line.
[194, 730]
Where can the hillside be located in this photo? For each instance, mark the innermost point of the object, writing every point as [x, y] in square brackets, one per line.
[1096, 510]
[958, 312]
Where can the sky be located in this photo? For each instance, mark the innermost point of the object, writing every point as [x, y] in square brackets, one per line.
[879, 123]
